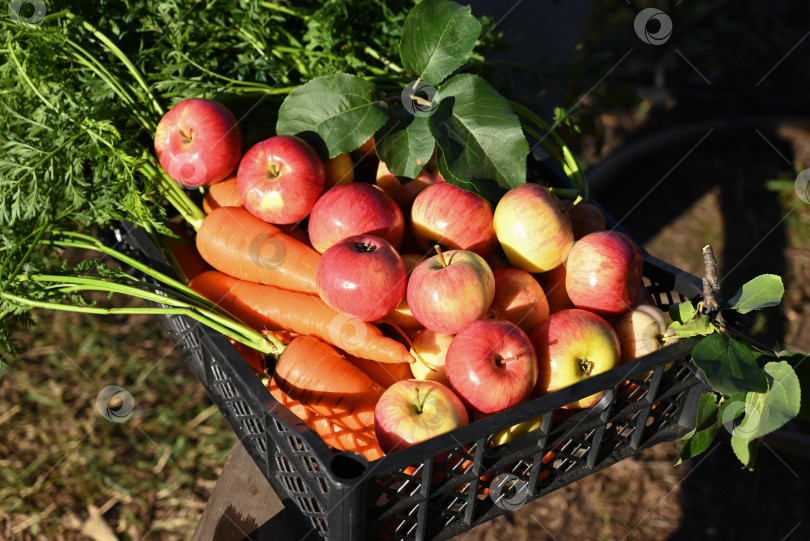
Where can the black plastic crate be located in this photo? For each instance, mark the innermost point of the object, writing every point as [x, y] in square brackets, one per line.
[411, 494]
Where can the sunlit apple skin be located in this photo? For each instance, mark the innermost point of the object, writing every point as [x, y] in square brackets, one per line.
[585, 218]
[280, 179]
[641, 330]
[198, 142]
[475, 369]
[404, 192]
[412, 411]
[355, 209]
[363, 276]
[604, 272]
[519, 298]
[339, 170]
[553, 284]
[453, 218]
[402, 315]
[573, 345]
[445, 299]
[430, 350]
[532, 229]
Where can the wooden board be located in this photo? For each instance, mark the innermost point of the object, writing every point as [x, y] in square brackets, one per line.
[243, 507]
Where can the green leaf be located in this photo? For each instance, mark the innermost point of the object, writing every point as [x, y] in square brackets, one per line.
[761, 292]
[437, 38]
[479, 134]
[682, 312]
[745, 450]
[729, 366]
[699, 439]
[339, 108]
[701, 325]
[769, 411]
[405, 143]
[801, 365]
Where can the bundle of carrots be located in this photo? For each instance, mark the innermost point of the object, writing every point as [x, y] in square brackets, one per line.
[334, 367]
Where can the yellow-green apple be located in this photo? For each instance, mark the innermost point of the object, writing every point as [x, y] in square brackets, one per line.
[405, 190]
[339, 170]
[585, 218]
[492, 365]
[453, 218]
[553, 284]
[280, 179]
[604, 272]
[533, 231]
[430, 349]
[361, 275]
[355, 209]
[411, 411]
[518, 298]
[450, 290]
[198, 142]
[642, 330]
[402, 315]
[573, 345]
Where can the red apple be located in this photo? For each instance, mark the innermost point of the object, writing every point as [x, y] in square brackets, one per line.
[519, 299]
[492, 365]
[361, 275]
[553, 283]
[280, 179]
[339, 170]
[450, 290]
[405, 191]
[412, 411]
[573, 345]
[402, 315]
[198, 142]
[453, 218]
[604, 272]
[533, 231]
[585, 218]
[642, 330]
[355, 209]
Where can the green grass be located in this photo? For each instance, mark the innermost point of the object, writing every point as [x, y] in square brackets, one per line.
[150, 475]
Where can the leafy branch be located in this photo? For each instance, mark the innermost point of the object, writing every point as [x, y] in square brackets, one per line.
[755, 388]
[477, 135]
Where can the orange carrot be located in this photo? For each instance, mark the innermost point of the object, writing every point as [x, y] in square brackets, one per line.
[333, 435]
[222, 194]
[265, 307]
[237, 243]
[316, 375]
[386, 374]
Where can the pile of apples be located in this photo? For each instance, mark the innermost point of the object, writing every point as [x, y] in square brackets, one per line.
[498, 305]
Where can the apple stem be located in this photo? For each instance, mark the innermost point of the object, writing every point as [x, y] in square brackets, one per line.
[508, 360]
[441, 255]
[420, 401]
[273, 170]
[586, 366]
